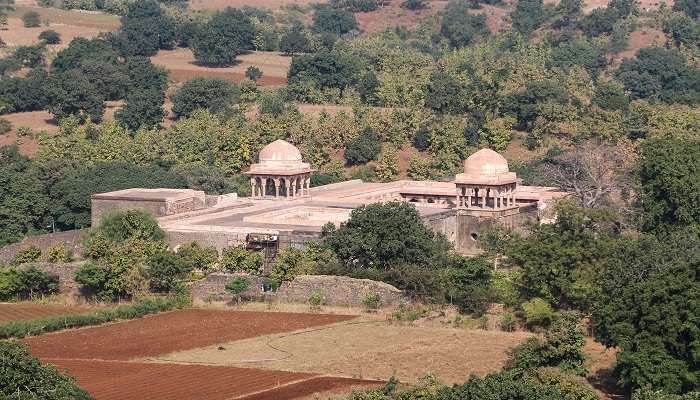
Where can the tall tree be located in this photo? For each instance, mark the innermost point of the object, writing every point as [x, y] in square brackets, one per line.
[225, 36]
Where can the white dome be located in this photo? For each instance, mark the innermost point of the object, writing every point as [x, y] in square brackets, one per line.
[279, 151]
[486, 162]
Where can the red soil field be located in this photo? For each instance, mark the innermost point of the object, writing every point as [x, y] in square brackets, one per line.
[169, 332]
[324, 385]
[26, 311]
[106, 380]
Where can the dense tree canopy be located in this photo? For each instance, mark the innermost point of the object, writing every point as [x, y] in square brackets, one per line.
[225, 36]
[215, 95]
[461, 27]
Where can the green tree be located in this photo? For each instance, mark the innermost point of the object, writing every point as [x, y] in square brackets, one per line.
[143, 109]
[294, 40]
[196, 257]
[72, 93]
[82, 49]
[24, 206]
[364, 148]
[324, 69]
[215, 95]
[239, 259]
[226, 35]
[669, 173]
[682, 30]
[121, 226]
[50, 37]
[24, 377]
[559, 262]
[5, 7]
[253, 73]
[387, 168]
[165, 270]
[690, 7]
[145, 28]
[384, 234]
[527, 16]
[445, 93]
[332, 20]
[460, 27]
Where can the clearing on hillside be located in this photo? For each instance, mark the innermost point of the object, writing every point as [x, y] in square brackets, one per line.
[182, 66]
[17, 35]
[269, 4]
[371, 349]
[169, 332]
[26, 311]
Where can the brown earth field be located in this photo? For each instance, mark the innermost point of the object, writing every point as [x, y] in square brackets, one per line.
[107, 380]
[16, 34]
[367, 349]
[169, 332]
[26, 311]
[269, 4]
[182, 67]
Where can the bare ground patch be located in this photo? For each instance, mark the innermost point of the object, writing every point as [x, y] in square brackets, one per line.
[16, 34]
[367, 349]
[182, 67]
[269, 4]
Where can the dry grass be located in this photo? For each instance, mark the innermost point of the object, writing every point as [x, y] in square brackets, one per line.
[367, 349]
[98, 20]
[17, 35]
[269, 4]
[182, 67]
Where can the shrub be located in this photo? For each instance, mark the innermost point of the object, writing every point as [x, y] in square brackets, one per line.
[508, 322]
[372, 301]
[253, 73]
[27, 255]
[91, 277]
[364, 148]
[197, 257]
[31, 19]
[272, 103]
[59, 253]
[165, 270]
[414, 4]
[538, 313]
[215, 95]
[315, 301]
[237, 287]
[25, 377]
[50, 37]
[239, 259]
[5, 126]
[132, 224]
[291, 262]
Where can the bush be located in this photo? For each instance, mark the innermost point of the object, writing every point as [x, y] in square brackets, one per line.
[315, 301]
[334, 21]
[197, 257]
[291, 262]
[19, 283]
[27, 255]
[414, 4]
[220, 40]
[24, 377]
[253, 73]
[508, 322]
[119, 226]
[59, 253]
[272, 103]
[538, 313]
[372, 301]
[166, 270]
[364, 148]
[20, 329]
[50, 37]
[215, 95]
[91, 277]
[239, 259]
[237, 287]
[5, 126]
[31, 19]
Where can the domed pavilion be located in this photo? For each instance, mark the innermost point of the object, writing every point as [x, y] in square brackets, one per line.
[486, 183]
[280, 173]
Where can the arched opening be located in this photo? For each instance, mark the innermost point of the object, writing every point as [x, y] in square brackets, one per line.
[474, 236]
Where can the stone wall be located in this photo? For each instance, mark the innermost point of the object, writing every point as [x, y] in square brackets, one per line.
[337, 290]
[65, 273]
[43, 242]
[212, 288]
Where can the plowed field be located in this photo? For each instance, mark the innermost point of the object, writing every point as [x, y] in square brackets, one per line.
[169, 332]
[26, 311]
[322, 385]
[106, 380]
